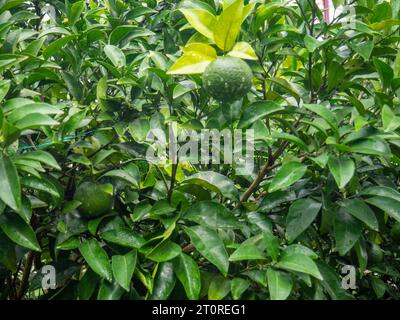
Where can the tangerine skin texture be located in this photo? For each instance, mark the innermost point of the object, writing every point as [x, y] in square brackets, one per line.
[95, 200]
[227, 79]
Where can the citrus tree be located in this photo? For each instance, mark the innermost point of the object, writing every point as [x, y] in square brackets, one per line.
[84, 82]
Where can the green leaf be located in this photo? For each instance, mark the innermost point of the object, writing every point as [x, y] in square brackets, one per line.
[40, 184]
[287, 86]
[379, 287]
[123, 267]
[299, 263]
[376, 147]
[301, 214]
[243, 50]
[337, 3]
[347, 231]
[358, 209]
[188, 273]
[10, 189]
[116, 56]
[19, 231]
[123, 175]
[227, 28]
[35, 120]
[4, 88]
[313, 44]
[247, 251]
[389, 120]
[364, 49]
[73, 85]
[87, 285]
[97, 258]
[258, 110]
[127, 33]
[342, 170]
[238, 287]
[41, 156]
[196, 58]
[382, 191]
[110, 291]
[210, 245]
[8, 255]
[280, 284]
[324, 113]
[75, 12]
[332, 282]
[291, 138]
[219, 288]
[10, 133]
[164, 282]
[212, 214]
[123, 237]
[201, 20]
[321, 160]
[72, 123]
[215, 182]
[389, 205]
[385, 72]
[300, 249]
[287, 175]
[165, 251]
[396, 67]
[336, 74]
[54, 47]
[272, 244]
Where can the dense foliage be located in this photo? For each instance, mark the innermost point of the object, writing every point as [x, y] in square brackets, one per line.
[83, 82]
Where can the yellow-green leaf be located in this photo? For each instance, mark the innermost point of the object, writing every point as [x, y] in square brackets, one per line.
[196, 58]
[201, 20]
[227, 28]
[202, 49]
[243, 50]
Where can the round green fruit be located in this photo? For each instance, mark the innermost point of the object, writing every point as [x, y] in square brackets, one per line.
[227, 79]
[396, 101]
[395, 233]
[96, 199]
[375, 254]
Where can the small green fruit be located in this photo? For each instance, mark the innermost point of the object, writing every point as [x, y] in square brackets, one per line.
[227, 79]
[375, 254]
[96, 199]
[395, 233]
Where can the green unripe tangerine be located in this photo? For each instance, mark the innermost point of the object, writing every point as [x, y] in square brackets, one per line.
[395, 233]
[96, 199]
[375, 254]
[227, 79]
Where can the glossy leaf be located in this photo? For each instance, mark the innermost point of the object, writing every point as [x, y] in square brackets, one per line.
[301, 215]
[123, 267]
[287, 175]
[342, 170]
[360, 210]
[19, 231]
[347, 231]
[97, 258]
[123, 237]
[227, 28]
[10, 189]
[211, 247]
[188, 274]
[299, 263]
[212, 214]
[280, 284]
[201, 20]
